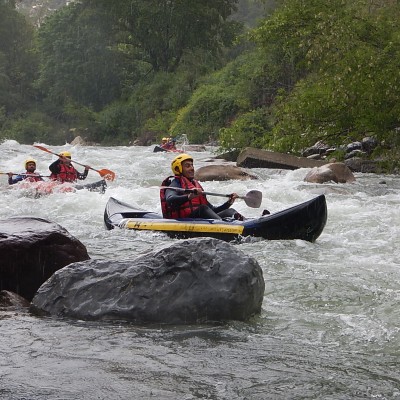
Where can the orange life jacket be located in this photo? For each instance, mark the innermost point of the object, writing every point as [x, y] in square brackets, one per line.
[186, 208]
[67, 174]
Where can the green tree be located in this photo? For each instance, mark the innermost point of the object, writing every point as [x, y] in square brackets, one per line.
[161, 31]
[350, 86]
[80, 59]
[17, 59]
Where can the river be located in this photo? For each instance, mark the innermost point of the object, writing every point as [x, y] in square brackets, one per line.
[330, 321]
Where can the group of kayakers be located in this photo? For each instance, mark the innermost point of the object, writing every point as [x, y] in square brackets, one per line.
[61, 170]
[181, 195]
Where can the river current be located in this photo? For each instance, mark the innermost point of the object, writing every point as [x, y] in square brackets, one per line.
[330, 321]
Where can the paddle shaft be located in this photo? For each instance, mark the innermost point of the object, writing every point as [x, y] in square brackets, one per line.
[76, 162]
[252, 198]
[41, 176]
[106, 173]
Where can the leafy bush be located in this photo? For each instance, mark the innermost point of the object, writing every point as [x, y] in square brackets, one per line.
[247, 130]
[31, 127]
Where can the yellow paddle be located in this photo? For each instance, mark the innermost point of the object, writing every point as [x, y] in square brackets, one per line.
[104, 173]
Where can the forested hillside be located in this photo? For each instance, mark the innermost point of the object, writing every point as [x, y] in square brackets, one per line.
[279, 75]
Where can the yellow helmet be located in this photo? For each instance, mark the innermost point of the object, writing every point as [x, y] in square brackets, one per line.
[65, 154]
[29, 160]
[176, 164]
[164, 139]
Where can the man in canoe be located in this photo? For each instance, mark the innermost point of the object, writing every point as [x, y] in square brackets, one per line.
[62, 169]
[190, 202]
[30, 175]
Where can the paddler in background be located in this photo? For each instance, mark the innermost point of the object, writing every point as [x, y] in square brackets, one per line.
[62, 169]
[171, 144]
[30, 175]
[164, 142]
[168, 144]
[193, 204]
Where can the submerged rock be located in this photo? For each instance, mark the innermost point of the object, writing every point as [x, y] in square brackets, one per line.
[193, 281]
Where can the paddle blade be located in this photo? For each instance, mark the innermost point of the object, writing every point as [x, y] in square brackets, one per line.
[106, 174]
[253, 198]
[43, 149]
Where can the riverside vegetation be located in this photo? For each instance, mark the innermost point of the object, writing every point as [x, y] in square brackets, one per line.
[131, 71]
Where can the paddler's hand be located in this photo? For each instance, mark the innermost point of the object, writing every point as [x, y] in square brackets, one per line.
[87, 167]
[232, 198]
[10, 174]
[195, 193]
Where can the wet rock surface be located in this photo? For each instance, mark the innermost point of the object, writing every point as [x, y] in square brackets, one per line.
[31, 250]
[222, 173]
[193, 281]
[333, 172]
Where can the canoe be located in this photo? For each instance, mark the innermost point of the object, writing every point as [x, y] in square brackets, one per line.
[303, 221]
[158, 149]
[42, 188]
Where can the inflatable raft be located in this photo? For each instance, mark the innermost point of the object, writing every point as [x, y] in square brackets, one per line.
[159, 149]
[43, 188]
[303, 221]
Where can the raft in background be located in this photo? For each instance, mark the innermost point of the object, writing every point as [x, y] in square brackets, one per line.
[159, 149]
[43, 188]
[304, 221]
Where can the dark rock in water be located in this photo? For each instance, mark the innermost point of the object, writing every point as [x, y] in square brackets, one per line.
[10, 300]
[31, 250]
[365, 166]
[193, 281]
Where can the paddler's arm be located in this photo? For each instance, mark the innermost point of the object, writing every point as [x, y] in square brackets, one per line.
[11, 180]
[55, 167]
[82, 176]
[176, 198]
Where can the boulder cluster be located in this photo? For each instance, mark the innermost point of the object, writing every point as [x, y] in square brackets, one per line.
[356, 154]
[194, 281]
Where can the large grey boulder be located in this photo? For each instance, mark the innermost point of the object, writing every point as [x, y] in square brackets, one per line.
[193, 281]
[187, 148]
[257, 158]
[333, 172]
[222, 173]
[365, 166]
[31, 250]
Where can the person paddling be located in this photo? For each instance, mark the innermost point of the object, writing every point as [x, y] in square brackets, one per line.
[62, 169]
[178, 204]
[30, 175]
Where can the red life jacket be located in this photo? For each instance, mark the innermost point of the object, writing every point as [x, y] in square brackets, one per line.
[186, 208]
[67, 174]
[33, 178]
